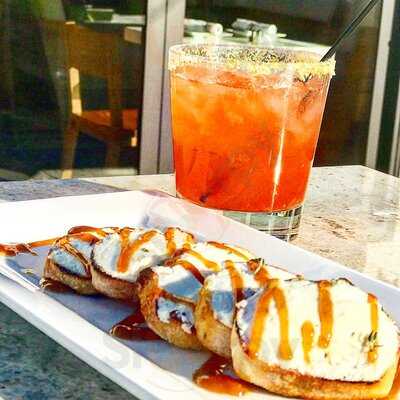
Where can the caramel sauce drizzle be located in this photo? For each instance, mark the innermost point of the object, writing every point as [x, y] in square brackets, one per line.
[210, 376]
[87, 229]
[191, 268]
[129, 249]
[54, 286]
[171, 245]
[41, 243]
[77, 254]
[259, 319]
[207, 263]
[325, 310]
[130, 328]
[87, 237]
[11, 250]
[285, 351]
[84, 233]
[232, 250]
[373, 352]
[170, 238]
[262, 277]
[307, 334]
[236, 281]
[261, 313]
[260, 272]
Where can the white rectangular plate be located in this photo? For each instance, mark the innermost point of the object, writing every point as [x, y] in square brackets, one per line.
[149, 370]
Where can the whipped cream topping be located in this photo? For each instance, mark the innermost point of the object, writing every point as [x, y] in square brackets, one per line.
[212, 257]
[64, 259]
[167, 310]
[345, 356]
[223, 300]
[150, 252]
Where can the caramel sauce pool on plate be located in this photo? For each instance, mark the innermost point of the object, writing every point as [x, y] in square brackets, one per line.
[210, 376]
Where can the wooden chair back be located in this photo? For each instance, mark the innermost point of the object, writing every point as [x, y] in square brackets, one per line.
[96, 54]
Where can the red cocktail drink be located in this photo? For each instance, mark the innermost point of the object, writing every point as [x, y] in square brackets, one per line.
[245, 133]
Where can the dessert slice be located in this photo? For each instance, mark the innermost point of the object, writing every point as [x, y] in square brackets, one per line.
[169, 294]
[69, 258]
[216, 308]
[119, 257]
[316, 340]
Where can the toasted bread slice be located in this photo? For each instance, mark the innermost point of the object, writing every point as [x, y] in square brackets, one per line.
[317, 340]
[214, 313]
[169, 317]
[212, 334]
[118, 258]
[82, 285]
[293, 384]
[113, 287]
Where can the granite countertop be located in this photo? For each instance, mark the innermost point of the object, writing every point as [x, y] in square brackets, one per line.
[351, 215]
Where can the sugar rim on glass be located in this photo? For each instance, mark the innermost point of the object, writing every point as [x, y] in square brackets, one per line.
[251, 59]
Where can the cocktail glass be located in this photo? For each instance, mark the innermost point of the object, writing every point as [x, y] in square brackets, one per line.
[245, 124]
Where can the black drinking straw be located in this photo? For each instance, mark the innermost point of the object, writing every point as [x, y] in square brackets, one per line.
[353, 25]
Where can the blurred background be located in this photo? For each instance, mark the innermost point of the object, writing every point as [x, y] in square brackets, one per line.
[84, 84]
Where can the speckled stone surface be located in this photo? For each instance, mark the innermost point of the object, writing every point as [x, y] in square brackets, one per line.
[32, 190]
[351, 215]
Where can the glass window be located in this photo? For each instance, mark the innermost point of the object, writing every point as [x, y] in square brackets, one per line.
[313, 24]
[71, 88]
